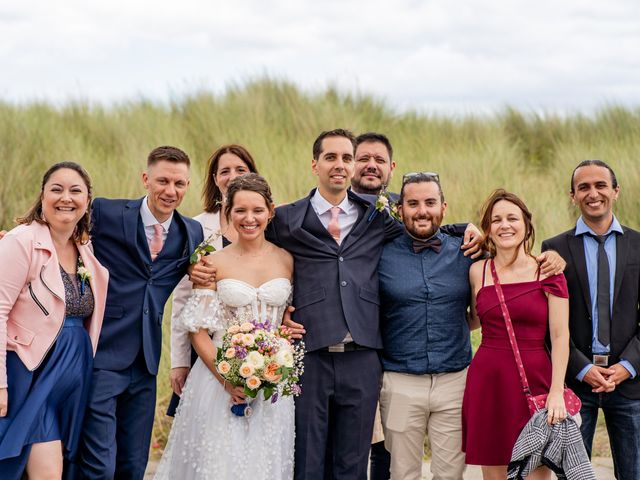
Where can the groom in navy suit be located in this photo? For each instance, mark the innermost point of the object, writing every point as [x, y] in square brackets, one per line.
[145, 244]
[336, 239]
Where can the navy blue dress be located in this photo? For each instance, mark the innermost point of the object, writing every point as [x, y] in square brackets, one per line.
[48, 404]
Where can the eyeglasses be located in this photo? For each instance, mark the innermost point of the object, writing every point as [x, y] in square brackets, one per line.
[426, 175]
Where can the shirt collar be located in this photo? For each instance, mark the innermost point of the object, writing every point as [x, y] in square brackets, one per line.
[582, 227]
[149, 220]
[321, 205]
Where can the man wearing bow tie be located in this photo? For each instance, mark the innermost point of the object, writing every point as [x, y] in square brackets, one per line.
[424, 295]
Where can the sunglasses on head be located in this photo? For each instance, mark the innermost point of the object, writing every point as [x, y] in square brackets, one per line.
[410, 175]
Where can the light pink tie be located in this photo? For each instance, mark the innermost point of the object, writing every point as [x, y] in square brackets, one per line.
[334, 225]
[157, 241]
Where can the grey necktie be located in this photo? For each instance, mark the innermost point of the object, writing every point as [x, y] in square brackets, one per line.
[603, 299]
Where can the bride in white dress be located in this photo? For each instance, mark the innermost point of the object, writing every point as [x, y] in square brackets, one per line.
[207, 441]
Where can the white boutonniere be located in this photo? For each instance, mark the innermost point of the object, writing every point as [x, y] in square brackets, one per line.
[205, 248]
[384, 202]
[84, 275]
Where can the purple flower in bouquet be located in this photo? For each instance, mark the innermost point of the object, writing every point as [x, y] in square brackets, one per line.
[266, 325]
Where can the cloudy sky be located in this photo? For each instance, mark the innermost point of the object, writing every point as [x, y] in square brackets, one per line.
[447, 56]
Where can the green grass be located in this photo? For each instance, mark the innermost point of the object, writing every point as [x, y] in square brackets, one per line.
[530, 154]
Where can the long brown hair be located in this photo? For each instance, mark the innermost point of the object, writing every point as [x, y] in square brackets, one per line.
[485, 222]
[34, 214]
[211, 194]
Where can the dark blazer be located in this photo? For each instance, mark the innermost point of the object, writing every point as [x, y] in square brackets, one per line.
[625, 331]
[394, 197]
[138, 287]
[335, 287]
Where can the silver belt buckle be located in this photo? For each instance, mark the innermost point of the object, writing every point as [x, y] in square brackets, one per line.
[337, 348]
[601, 360]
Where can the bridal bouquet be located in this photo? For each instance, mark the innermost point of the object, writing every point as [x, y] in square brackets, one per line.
[259, 360]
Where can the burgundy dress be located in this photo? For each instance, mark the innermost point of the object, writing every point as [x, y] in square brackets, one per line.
[494, 408]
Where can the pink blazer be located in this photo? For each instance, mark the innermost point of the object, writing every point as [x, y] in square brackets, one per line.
[32, 305]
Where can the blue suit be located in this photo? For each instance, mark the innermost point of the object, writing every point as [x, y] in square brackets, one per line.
[119, 419]
[335, 291]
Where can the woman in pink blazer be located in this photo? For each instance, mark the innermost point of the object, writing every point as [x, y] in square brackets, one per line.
[52, 297]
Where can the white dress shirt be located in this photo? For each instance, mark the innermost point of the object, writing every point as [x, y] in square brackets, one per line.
[148, 220]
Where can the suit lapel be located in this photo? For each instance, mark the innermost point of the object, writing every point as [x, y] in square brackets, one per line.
[297, 212]
[576, 247]
[130, 217]
[189, 241]
[622, 249]
[362, 224]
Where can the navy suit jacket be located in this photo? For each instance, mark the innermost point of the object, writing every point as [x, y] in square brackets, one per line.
[335, 287]
[625, 318]
[138, 287]
[394, 197]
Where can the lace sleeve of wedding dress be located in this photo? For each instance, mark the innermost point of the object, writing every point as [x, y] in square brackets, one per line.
[202, 310]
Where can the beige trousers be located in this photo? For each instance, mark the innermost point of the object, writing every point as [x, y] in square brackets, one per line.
[413, 406]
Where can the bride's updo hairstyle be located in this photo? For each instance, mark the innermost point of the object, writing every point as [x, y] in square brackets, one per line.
[251, 182]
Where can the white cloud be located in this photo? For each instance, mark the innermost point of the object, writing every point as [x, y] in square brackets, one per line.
[450, 56]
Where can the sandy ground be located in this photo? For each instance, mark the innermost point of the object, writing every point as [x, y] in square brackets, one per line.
[603, 467]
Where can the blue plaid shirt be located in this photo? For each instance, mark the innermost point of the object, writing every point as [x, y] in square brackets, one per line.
[423, 303]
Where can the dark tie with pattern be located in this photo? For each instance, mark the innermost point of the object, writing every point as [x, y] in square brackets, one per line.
[433, 243]
[604, 296]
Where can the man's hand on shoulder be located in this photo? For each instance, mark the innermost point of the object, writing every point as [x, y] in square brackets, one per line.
[471, 241]
[202, 274]
[2, 234]
[551, 263]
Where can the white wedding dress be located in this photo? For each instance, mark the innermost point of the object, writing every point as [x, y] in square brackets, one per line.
[207, 441]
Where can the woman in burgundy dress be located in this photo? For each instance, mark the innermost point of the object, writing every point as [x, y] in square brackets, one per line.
[494, 409]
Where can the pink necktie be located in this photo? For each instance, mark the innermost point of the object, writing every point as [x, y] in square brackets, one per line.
[157, 241]
[334, 225]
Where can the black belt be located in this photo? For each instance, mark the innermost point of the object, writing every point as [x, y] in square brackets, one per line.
[343, 347]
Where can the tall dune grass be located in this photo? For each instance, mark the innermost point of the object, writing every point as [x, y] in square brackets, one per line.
[530, 154]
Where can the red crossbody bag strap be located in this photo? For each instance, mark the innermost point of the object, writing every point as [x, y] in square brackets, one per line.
[509, 325]
[535, 403]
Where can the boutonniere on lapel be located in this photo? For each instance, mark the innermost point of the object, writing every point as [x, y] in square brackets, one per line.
[205, 248]
[84, 275]
[383, 201]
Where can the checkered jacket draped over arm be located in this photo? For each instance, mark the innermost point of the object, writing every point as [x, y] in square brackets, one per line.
[559, 447]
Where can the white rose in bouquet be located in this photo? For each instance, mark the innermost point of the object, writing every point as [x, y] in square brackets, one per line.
[285, 357]
[256, 359]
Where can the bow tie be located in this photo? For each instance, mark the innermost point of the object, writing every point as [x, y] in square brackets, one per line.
[433, 243]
